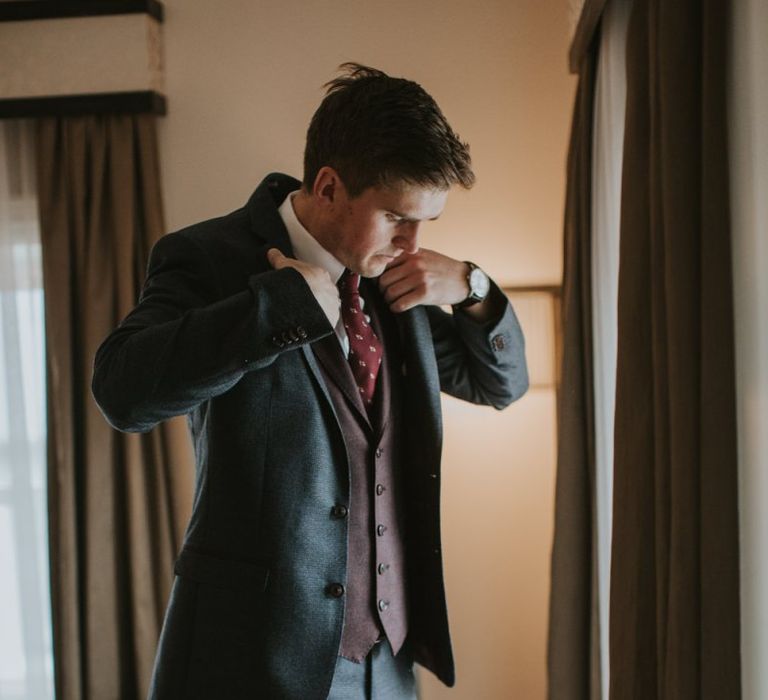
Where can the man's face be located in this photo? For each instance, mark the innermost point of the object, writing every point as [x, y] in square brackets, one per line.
[372, 229]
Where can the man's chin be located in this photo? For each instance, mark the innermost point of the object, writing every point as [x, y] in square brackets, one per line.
[376, 266]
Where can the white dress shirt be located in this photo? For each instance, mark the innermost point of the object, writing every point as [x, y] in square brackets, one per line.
[308, 250]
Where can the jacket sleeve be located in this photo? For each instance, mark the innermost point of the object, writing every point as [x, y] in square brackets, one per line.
[185, 343]
[483, 363]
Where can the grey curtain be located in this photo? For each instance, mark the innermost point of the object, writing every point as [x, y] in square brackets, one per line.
[675, 562]
[573, 658]
[117, 503]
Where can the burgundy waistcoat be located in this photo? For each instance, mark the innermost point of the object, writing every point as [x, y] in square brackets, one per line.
[376, 598]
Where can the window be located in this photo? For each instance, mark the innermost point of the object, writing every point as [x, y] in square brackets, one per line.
[26, 658]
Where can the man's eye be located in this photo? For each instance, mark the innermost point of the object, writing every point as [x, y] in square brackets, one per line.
[397, 220]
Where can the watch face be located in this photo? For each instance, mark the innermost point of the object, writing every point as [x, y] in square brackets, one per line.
[479, 283]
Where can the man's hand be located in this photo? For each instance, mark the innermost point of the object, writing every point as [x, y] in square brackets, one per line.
[428, 277]
[425, 277]
[319, 281]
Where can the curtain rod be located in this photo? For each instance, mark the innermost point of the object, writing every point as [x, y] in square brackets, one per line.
[139, 102]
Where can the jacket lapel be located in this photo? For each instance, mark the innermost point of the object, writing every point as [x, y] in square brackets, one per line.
[422, 380]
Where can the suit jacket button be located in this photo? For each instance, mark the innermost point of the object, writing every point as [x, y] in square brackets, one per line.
[335, 589]
[302, 333]
[277, 341]
[339, 511]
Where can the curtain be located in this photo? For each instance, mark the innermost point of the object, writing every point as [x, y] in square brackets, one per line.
[675, 565]
[117, 503]
[26, 668]
[607, 145]
[573, 661]
[748, 151]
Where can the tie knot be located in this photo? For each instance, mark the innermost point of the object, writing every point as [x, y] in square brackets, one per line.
[349, 283]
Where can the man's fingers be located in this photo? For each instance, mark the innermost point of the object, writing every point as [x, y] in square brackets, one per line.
[395, 273]
[397, 289]
[323, 289]
[408, 301]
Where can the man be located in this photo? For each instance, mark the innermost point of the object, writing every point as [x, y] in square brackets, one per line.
[303, 338]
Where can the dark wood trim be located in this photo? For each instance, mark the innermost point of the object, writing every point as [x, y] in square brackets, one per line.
[589, 19]
[21, 10]
[553, 289]
[78, 105]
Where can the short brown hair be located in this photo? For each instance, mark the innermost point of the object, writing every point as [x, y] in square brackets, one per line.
[377, 130]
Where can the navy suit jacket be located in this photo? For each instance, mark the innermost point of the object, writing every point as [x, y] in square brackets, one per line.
[220, 336]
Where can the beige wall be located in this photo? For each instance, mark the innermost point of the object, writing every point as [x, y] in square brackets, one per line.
[498, 483]
[243, 79]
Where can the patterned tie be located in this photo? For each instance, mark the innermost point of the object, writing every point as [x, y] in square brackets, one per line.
[365, 349]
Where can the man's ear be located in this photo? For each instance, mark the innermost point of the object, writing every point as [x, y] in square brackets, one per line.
[328, 188]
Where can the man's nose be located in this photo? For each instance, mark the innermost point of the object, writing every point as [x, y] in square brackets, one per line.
[408, 237]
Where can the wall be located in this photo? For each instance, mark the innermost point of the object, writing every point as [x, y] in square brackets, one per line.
[749, 167]
[243, 79]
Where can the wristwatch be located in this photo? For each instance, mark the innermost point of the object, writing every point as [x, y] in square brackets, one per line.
[479, 286]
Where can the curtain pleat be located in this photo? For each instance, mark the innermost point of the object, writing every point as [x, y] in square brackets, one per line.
[675, 564]
[117, 503]
[573, 660]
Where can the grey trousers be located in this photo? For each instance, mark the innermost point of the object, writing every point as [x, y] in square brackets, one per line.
[380, 676]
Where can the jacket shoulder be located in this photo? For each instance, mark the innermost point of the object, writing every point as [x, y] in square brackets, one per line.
[231, 248]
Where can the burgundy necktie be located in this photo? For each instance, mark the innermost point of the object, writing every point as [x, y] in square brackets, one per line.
[365, 349]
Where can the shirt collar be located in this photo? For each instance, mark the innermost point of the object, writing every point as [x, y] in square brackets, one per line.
[305, 246]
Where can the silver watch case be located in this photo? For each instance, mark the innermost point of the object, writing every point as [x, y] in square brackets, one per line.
[479, 286]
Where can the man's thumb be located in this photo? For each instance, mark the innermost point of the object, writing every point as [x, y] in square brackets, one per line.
[275, 257]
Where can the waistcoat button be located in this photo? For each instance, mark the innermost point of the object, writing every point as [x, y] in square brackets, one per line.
[383, 605]
[380, 488]
[383, 568]
[381, 529]
[336, 590]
